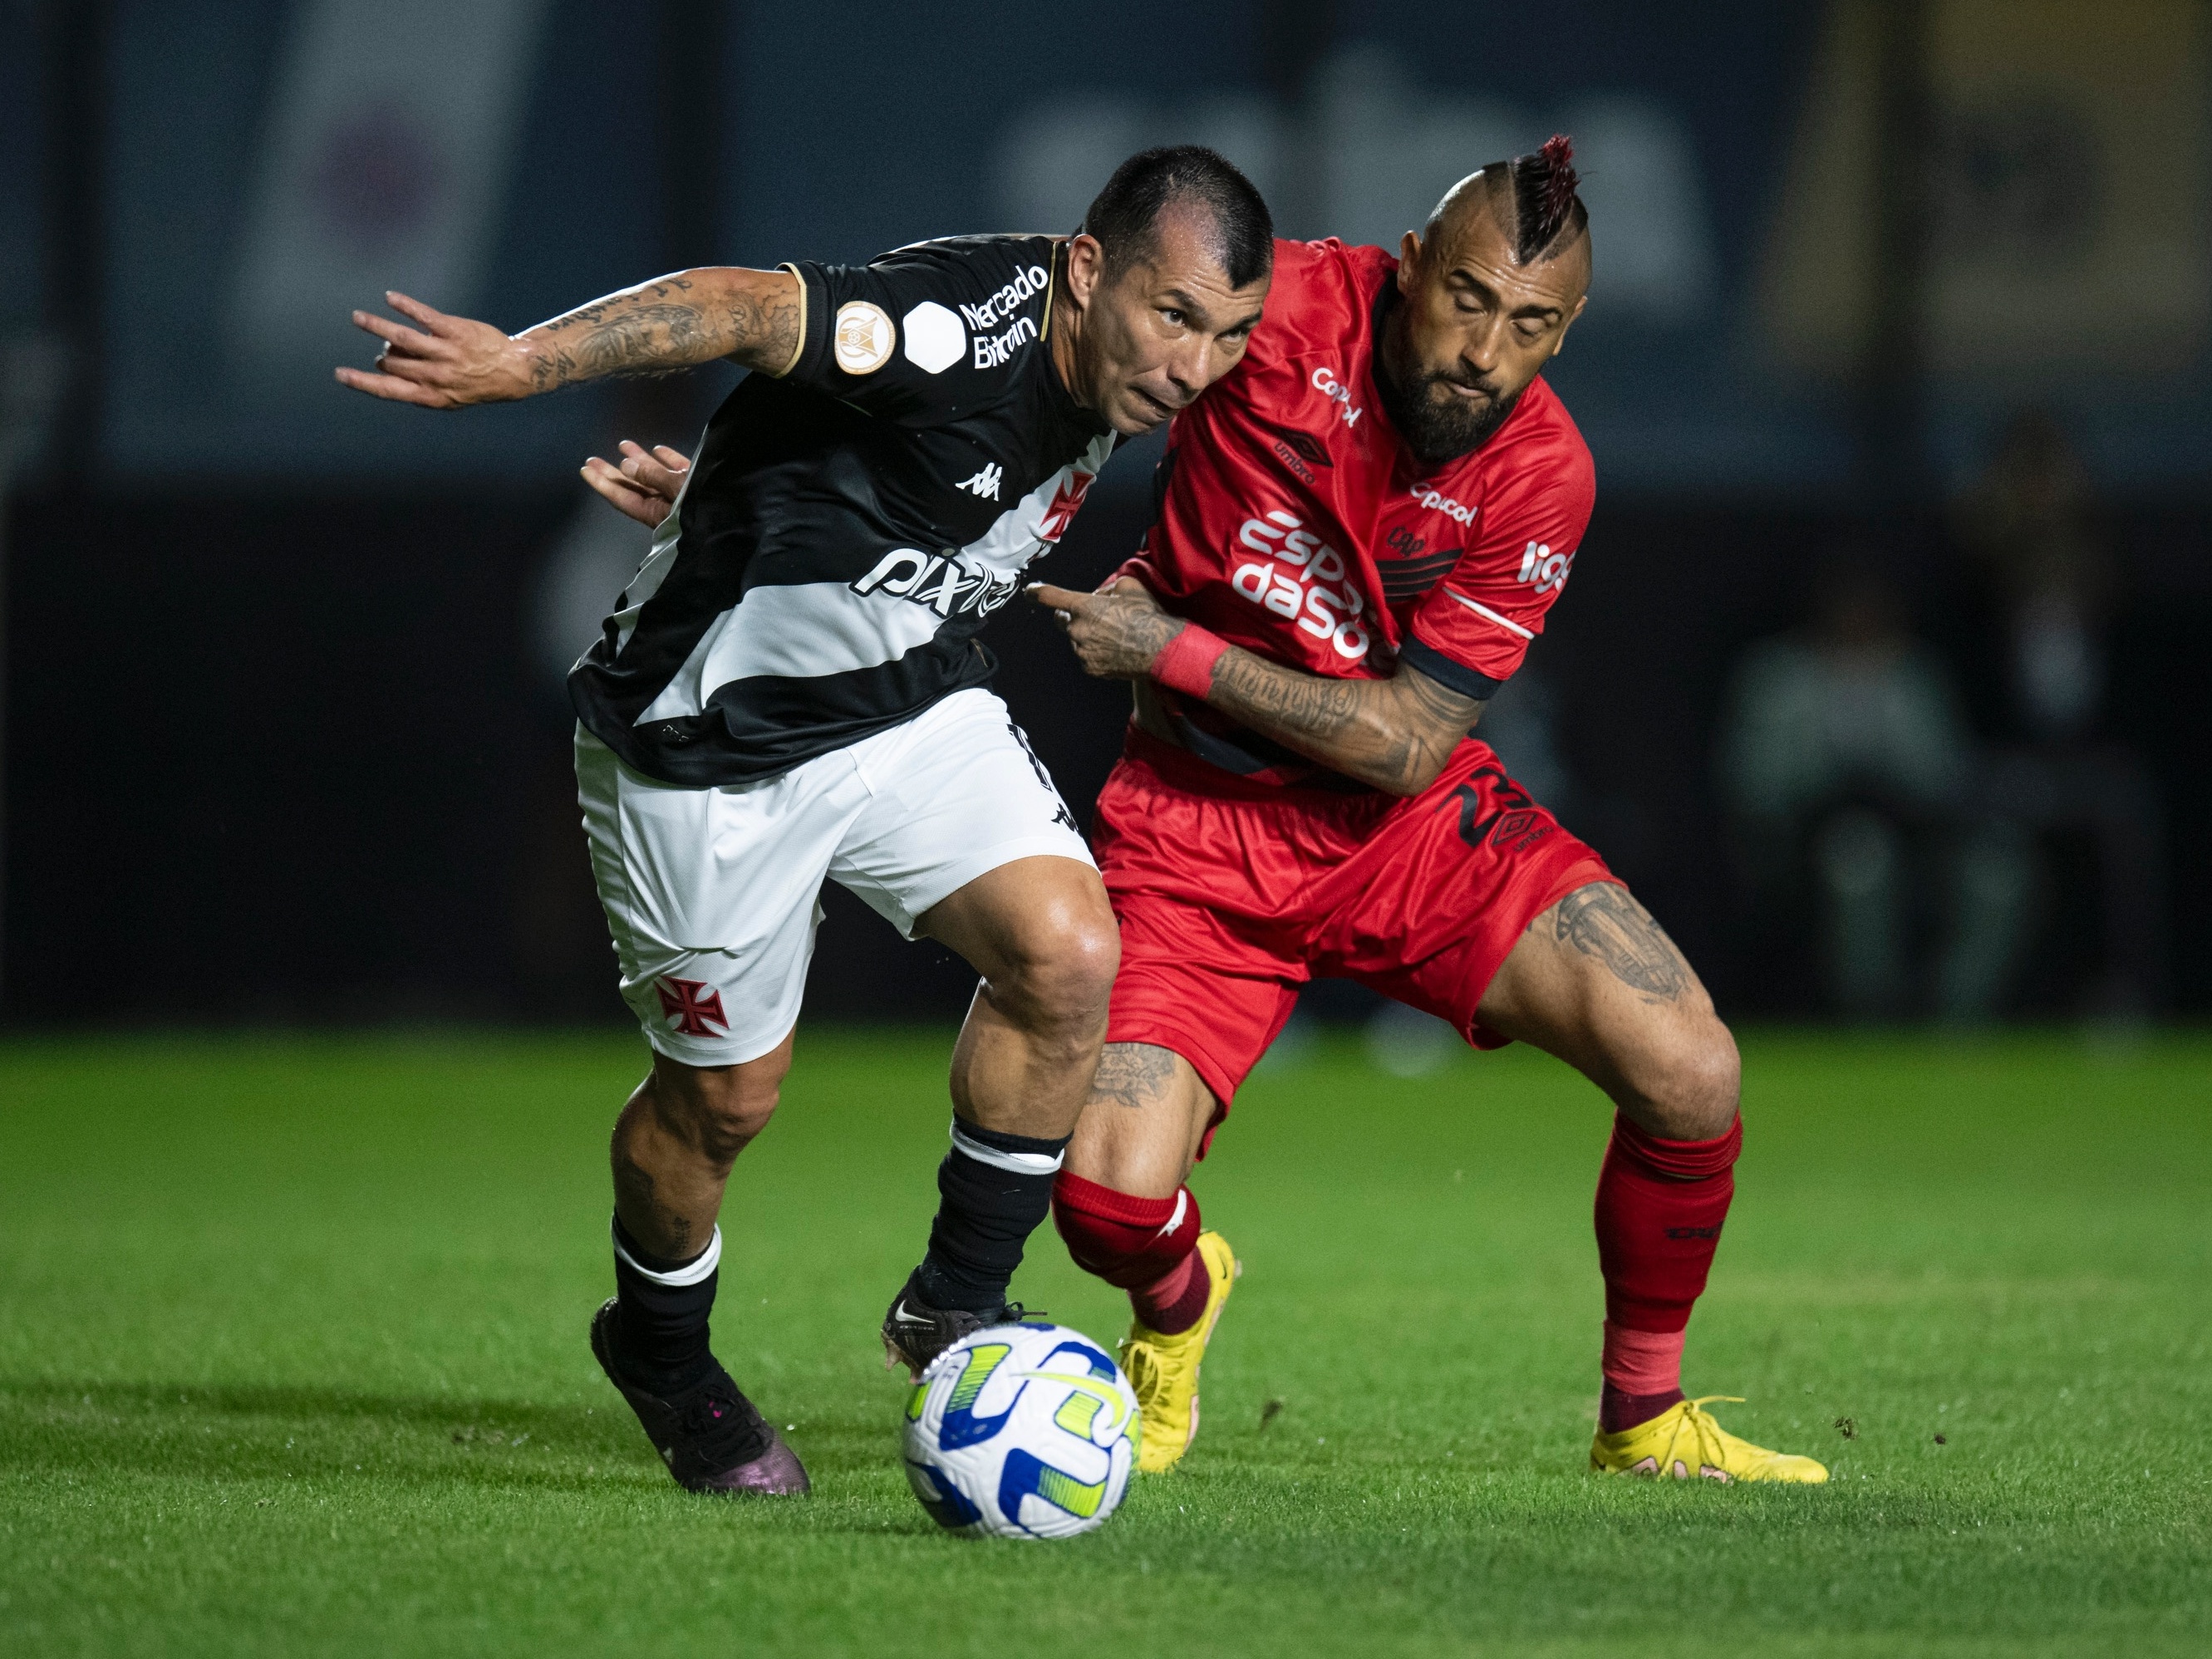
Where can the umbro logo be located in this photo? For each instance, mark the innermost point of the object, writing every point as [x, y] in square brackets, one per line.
[984, 484]
[1301, 451]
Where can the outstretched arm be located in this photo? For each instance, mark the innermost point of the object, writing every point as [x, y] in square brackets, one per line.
[1395, 734]
[674, 322]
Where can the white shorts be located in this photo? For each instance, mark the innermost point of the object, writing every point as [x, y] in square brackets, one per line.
[711, 894]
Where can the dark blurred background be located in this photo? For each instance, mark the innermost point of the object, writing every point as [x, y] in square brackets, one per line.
[1882, 676]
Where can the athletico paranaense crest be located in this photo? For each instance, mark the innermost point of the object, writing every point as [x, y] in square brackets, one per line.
[691, 1003]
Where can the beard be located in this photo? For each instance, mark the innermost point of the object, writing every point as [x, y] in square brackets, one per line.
[1440, 425]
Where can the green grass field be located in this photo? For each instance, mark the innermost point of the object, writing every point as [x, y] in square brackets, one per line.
[292, 1361]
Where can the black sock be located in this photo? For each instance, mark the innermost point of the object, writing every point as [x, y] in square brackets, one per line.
[661, 1327]
[994, 1189]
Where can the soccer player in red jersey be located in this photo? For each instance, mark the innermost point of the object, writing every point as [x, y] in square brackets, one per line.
[1360, 530]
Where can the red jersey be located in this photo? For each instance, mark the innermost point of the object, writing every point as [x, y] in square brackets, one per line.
[1295, 522]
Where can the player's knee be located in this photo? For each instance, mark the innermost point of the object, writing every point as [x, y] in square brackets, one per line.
[1062, 972]
[715, 1110]
[1689, 1079]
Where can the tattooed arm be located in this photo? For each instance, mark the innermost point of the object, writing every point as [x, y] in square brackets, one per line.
[673, 322]
[1395, 734]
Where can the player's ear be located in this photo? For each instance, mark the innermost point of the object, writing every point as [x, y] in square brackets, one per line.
[1561, 345]
[1409, 261]
[1086, 266]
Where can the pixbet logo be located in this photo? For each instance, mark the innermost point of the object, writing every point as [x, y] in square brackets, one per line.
[946, 583]
[1544, 569]
[1329, 386]
[1303, 594]
[1444, 504]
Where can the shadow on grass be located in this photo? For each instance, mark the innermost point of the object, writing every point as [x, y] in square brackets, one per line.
[260, 1433]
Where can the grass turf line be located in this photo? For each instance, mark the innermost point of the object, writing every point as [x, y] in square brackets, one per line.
[292, 1357]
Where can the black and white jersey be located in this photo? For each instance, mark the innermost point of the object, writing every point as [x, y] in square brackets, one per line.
[847, 526]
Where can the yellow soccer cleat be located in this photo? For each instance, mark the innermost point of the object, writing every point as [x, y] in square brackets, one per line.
[1685, 1442]
[1163, 1370]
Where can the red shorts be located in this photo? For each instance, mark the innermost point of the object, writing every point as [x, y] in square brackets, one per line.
[1233, 895]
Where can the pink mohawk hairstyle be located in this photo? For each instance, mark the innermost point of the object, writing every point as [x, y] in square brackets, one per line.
[1560, 180]
[1545, 205]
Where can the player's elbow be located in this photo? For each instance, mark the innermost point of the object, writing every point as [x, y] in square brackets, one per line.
[1424, 771]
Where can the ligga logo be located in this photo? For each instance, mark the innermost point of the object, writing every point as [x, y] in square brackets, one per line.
[1544, 570]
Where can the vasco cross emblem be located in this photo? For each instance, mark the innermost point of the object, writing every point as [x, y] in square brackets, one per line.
[691, 1003]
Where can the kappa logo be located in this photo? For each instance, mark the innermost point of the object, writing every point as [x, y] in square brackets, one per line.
[862, 336]
[984, 484]
[691, 1004]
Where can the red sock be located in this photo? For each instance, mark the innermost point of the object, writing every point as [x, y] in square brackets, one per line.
[1174, 1301]
[1147, 1246]
[1659, 1207]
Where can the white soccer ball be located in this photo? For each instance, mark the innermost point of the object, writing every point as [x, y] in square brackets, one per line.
[1021, 1431]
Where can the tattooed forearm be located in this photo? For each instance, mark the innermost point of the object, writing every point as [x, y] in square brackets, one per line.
[1602, 921]
[674, 323]
[1133, 1074]
[1395, 733]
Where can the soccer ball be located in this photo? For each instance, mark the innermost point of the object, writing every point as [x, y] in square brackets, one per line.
[1021, 1431]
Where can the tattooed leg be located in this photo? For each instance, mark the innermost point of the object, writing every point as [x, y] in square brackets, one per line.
[1596, 982]
[1603, 922]
[675, 1142]
[1140, 1129]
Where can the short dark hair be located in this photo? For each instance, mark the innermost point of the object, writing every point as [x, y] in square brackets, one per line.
[1125, 217]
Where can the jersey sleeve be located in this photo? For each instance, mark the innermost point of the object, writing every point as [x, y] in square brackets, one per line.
[1476, 625]
[925, 334]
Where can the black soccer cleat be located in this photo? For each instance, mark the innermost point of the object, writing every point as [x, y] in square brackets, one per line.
[915, 1333]
[710, 1435]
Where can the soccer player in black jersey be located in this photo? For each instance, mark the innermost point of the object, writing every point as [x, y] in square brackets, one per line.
[791, 689]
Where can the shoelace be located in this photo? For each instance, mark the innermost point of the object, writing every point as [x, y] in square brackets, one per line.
[1704, 1431]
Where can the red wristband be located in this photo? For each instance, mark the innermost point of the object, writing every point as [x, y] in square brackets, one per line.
[1187, 665]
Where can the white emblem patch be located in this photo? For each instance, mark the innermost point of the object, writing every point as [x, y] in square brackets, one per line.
[862, 337]
[935, 337]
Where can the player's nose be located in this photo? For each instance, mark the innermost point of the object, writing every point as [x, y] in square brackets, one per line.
[1191, 369]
